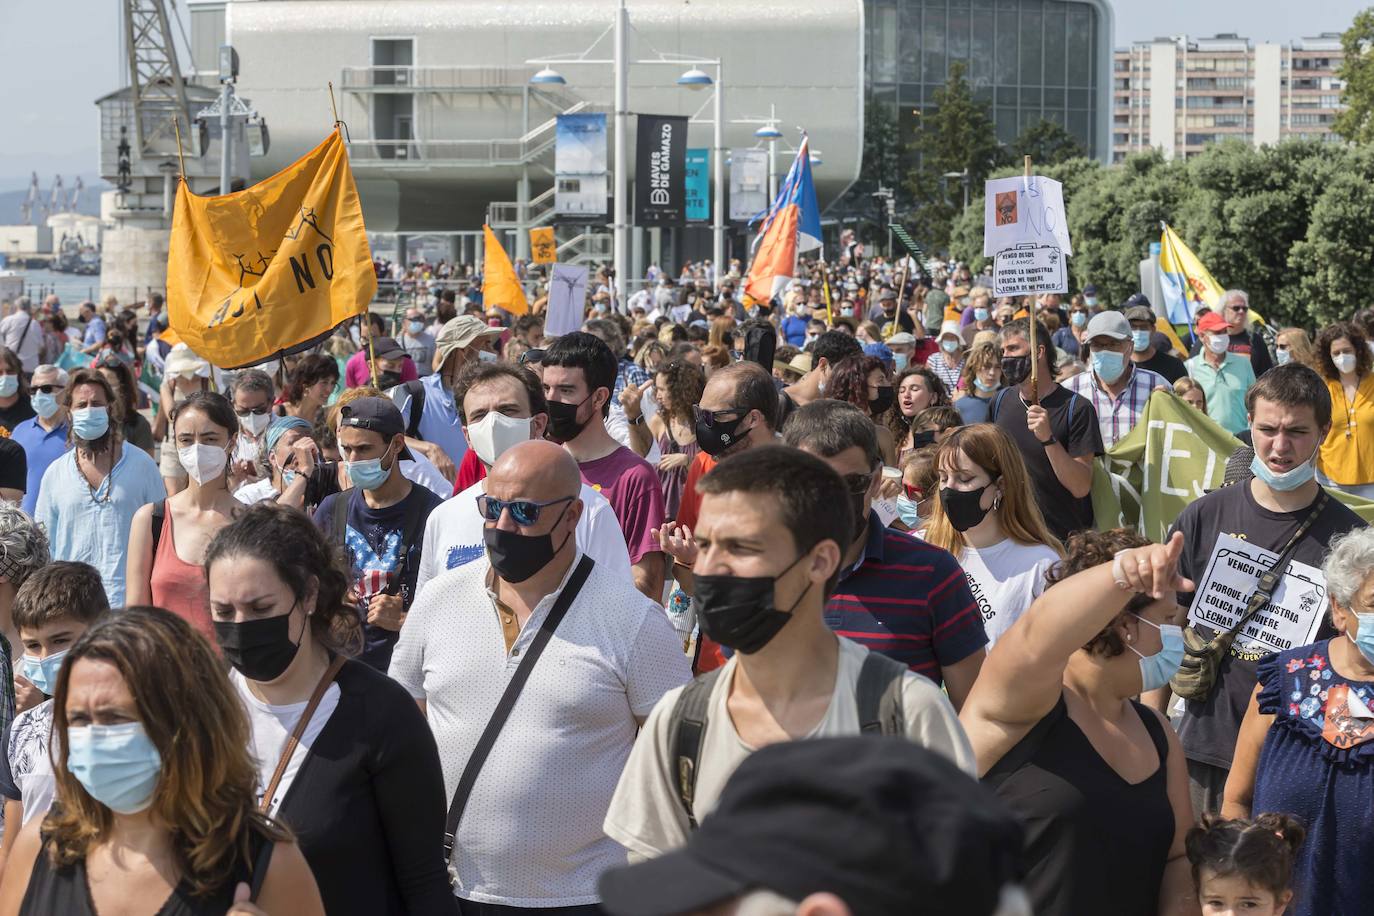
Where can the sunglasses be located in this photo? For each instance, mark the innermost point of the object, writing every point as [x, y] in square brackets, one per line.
[709, 418]
[255, 411]
[47, 389]
[532, 356]
[915, 494]
[857, 484]
[524, 511]
[1236, 308]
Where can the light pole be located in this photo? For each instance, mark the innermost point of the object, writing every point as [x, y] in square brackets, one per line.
[963, 176]
[768, 133]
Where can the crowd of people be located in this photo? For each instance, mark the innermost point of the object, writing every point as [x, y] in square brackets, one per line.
[274, 638]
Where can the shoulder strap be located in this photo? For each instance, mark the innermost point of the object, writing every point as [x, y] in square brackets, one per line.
[262, 858]
[1269, 579]
[997, 403]
[1156, 731]
[159, 515]
[338, 517]
[878, 695]
[686, 732]
[416, 390]
[290, 747]
[507, 701]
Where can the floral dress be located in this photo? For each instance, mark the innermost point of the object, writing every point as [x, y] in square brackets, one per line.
[1317, 764]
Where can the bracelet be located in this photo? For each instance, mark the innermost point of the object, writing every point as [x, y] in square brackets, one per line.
[1048, 442]
[1119, 575]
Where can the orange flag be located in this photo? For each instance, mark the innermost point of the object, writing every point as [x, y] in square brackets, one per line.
[500, 286]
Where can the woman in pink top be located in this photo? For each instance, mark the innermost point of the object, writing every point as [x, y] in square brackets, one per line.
[167, 540]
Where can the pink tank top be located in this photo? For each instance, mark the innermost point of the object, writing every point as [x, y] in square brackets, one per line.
[178, 586]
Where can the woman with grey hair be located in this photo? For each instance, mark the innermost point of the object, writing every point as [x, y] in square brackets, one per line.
[1306, 747]
[23, 550]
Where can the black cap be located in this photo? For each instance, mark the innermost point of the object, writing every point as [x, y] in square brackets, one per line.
[1090, 289]
[887, 826]
[378, 415]
[1135, 299]
[387, 348]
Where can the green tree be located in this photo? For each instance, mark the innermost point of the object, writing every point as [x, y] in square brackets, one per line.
[882, 148]
[1047, 143]
[1356, 123]
[955, 135]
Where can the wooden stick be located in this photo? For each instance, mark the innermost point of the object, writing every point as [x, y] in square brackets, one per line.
[1034, 321]
[335, 110]
[825, 285]
[176, 126]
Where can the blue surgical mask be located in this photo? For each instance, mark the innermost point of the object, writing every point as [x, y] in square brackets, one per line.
[287, 477]
[116, 764]
[415, 327]
[90, 423]
[1288, 480]
[1364, 639]
[908, 510]
[1079, 319]
[1140, 340]
[9, 386]
[949, 345]
[899, 361]
[45, 404]
[368, 474]
[980, 314]
[982, 385]
[1108, 365]
[42, 672]
[1281, 357]
[1155, 670]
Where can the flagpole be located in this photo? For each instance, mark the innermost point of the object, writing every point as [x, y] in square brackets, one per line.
[1034, 320]
[176, 126]
[825, 284]
[332, 107]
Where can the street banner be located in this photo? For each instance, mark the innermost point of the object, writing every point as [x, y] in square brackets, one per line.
[660, 170]
[567, 299]
[579, 165]
[698, 184]
[1186, 282]
[543, 247]
[271, 269]
[792, 226]
[500, 286]
[1026, 233]
[748, 183]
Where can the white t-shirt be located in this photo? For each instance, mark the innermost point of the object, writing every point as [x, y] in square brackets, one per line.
[453, 535]
[1005, 578]
[531, 834]
[423, 472]
[257, 491]
[30, 765]
[646, 815]
[272, 726]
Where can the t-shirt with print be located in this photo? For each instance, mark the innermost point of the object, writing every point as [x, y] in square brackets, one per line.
[646, 814]
[1209, 727]
[630, 485]
[383, 547]
[16, 413]
[28, 775]
[1005, 578]
[1074, 424]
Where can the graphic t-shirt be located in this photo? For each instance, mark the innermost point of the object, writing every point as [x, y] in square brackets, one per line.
[1209, 727]
[383, 547]
[30, 766]
[630, 485]
[1005, 578]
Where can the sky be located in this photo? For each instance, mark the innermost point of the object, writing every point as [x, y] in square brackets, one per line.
[58, 56]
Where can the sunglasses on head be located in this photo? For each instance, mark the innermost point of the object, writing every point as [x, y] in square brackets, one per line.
[915, 494]
[524, 511]
[532, 356]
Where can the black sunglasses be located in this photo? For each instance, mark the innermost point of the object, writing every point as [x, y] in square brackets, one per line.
[709, 418]
[858, 484]
[48, 389]
[532, 356]
[255, 411]
[524, 511]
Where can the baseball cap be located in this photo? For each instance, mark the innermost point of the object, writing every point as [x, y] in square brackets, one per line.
[1140, 313]
[378, 415]
[387, 348]
[1090, 290]
[460, 332]
[1135, 299]
[1212, 321]
[879, 350]
[887, 826]
[887, 294]
[1108, 324]
[901, 339]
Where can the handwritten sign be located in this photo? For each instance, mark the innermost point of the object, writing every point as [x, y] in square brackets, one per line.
[1290, 619]
[1022, 210]
[1029, 269]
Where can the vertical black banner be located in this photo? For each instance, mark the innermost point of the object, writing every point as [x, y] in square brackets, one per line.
[660, 171]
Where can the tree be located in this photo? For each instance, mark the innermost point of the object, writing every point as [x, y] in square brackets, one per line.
[1047, 143]
[957, 134]
[882, 149]
[1356, 123]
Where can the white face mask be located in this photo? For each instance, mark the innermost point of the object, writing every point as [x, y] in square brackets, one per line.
[492, 435]
[255, 423]
[203, 462]
[1345, 363]
[1218, 343]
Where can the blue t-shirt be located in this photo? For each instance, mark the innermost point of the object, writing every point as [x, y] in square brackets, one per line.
[41, 448]
[794, 330]
[439, 418]
[383, 548]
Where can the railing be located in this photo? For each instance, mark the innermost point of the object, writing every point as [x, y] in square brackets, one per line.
[506, 214]
[517, 151]
[408, 79]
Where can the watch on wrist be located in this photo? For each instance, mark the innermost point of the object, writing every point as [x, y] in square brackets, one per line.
[638, 421]
[1048, 442]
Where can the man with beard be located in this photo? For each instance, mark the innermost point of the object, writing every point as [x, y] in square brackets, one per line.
[88, 496]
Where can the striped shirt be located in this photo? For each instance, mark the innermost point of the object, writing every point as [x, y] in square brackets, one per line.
[908, 600]
[1117, 416]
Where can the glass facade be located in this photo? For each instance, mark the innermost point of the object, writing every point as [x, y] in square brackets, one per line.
[1028, 59]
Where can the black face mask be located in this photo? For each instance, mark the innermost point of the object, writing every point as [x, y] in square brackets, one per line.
[923, 438]
[1015, 369]
[716, 440]
[886, 396]
[963, 507]
[516, 556]
[260, 650]
[738, 612]
[563, 423]
[388, 380]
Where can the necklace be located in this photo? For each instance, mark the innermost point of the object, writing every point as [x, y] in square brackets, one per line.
[1349, 409]
[107, 479]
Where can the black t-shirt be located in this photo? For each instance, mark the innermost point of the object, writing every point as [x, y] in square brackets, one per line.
[1074, 423]
[383, 546]
[1209, 727]
[14, 466]
[1166, 364]
[16, 413]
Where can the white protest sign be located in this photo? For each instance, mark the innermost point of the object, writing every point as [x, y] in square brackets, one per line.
[1029, 269]
[1018, 210]
[567, 299]
[1290, 619]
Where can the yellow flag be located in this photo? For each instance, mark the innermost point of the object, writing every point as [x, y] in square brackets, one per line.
[500, 286]
[272, 268]
[1186, 283]
[544, 248]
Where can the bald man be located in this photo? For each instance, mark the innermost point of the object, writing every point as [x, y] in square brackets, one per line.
[530, 835]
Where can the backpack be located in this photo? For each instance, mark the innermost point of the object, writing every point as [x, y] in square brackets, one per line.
[878, 695]
[416, 390]
[159, 515]
[997, 403]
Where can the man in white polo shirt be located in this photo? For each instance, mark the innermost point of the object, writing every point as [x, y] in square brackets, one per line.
[500, 405]
[530, 836]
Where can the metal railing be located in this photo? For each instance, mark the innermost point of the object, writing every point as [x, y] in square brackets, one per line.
[505, 214]
[435, 79]
[516, 151]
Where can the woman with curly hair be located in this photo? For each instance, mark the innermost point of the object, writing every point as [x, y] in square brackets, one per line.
[1097, 779]
[363, 790]
[864, 382]
[156, 795]
[917, 389]
[1347, 455]
[312, 382]
[677, 390]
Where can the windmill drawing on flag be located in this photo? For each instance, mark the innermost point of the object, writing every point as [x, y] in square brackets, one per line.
[791, 227]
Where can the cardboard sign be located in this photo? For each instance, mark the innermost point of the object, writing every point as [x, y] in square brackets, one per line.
[543, 247]
[1022, 210]
[1290, 619]
[1029, 269]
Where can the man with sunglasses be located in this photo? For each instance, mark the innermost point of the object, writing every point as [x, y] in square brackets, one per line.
[896, 594]
[530, 835]
[501, 406]
[44, 435]
[1235, 308]
[377, 521]
[252, 395]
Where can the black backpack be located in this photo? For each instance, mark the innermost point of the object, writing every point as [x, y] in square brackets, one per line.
[878, 694]
[416, 390]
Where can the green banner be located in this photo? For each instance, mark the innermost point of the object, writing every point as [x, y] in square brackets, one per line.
[1173, 457]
